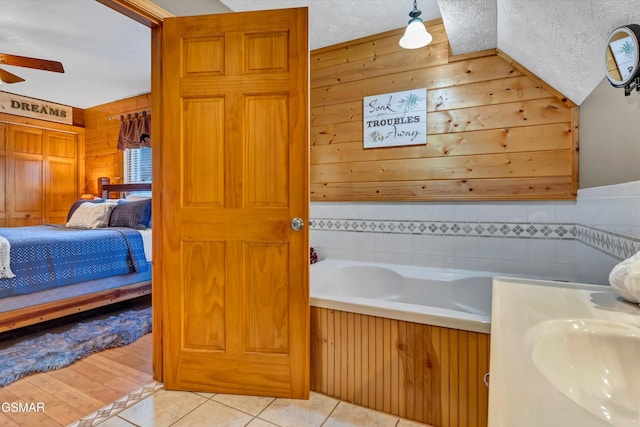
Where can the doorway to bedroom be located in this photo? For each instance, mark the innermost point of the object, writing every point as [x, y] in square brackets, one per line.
[270, 206]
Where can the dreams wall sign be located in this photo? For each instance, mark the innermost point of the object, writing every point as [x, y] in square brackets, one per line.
[35, 108]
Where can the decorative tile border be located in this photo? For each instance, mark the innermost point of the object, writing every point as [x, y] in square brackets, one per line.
[616, 245]
[118, 406]
[522, 230]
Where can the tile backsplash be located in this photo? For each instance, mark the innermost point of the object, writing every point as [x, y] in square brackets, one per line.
[567, 240]
[608, 221]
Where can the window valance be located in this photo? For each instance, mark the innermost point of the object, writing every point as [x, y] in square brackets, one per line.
[135, 131]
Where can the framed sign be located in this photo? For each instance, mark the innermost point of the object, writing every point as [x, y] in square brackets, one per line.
[35, 108]
[395, 119]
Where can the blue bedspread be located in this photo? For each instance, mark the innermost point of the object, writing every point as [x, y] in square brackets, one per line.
[48, 256]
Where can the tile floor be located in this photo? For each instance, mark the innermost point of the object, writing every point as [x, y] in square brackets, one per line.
[153, 406]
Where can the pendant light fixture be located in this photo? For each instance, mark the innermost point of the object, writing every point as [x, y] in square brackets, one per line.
[416, 34]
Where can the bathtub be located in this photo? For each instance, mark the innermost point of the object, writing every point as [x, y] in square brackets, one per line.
[451, 298]
[410, 341]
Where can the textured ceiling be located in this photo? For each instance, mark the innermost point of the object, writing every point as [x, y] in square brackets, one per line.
[563, 41]
[336, 21]
[107, 56]
[471, 25]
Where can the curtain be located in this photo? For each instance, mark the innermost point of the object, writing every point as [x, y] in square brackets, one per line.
[135, 131]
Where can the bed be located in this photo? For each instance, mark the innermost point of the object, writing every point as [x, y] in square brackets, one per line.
[61, 270]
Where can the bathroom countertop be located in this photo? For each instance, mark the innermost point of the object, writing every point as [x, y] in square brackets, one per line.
[519, 394]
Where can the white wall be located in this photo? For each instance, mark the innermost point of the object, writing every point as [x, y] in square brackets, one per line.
[609, 137]
[565, 240]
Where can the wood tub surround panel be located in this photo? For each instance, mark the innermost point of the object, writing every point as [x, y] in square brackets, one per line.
[429, 374]
[494, 130]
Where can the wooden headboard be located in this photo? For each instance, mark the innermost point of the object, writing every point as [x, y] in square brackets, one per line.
[105, 187]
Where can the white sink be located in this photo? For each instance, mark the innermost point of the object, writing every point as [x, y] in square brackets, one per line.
[594, 362]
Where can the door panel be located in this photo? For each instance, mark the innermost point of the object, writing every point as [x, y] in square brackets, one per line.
[267, 52]
[26, 195]
[61, 171]
[60, 187]
[204, 296]
[204, 124]
[3, 174]
[267, 151]
[266, 321]
[204, 56]
[234, 275]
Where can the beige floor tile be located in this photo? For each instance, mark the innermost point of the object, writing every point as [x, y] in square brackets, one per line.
[206, 395]
[116, 422]
[250, 404]
[257, 422]
[162, 408]
[214, 414]
[299, 413]
[348, 415]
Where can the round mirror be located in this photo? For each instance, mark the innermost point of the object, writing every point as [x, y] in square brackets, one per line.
[621, 57]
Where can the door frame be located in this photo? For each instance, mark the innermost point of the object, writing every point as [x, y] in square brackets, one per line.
[152, 16]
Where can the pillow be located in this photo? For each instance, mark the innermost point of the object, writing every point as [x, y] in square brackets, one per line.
[90, 215]
[131, 214]
[75, 205]
[134, 198]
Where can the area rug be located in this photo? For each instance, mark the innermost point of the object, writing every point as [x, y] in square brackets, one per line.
[53, 351]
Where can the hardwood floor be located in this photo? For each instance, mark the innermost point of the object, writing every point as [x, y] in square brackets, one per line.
[71, 393]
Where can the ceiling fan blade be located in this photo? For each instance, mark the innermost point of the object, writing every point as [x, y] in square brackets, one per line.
[7, 77]
[38, 64]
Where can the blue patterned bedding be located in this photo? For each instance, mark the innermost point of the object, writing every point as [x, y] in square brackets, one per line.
[49, 256]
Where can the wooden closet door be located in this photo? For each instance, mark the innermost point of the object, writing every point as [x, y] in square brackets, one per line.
[61, 175]
[25, 186]
[3, 175]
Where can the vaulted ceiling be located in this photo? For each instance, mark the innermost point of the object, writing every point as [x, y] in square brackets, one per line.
[107, 56]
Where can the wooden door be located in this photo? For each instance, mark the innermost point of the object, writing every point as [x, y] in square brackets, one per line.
[234, 173]
[25, 189]
[61, 181]
[3, 175]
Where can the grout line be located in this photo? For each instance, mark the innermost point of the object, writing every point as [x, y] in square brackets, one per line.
[264, 421]
[192, 409]
[240, 410]
[265, 408]
[123, 419]
[331, 413]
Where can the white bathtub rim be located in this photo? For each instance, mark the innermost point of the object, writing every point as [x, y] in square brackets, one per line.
[406, 312]
[398, 310]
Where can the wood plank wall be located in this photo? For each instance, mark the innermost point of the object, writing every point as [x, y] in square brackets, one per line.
[425, 373]
[495, 130]
[101, 139]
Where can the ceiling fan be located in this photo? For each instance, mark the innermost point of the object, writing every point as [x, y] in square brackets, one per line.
[23, 61]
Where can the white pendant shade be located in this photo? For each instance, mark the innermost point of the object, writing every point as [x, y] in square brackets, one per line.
[415, 35]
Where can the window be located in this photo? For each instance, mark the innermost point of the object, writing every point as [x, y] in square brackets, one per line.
[137, 166]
